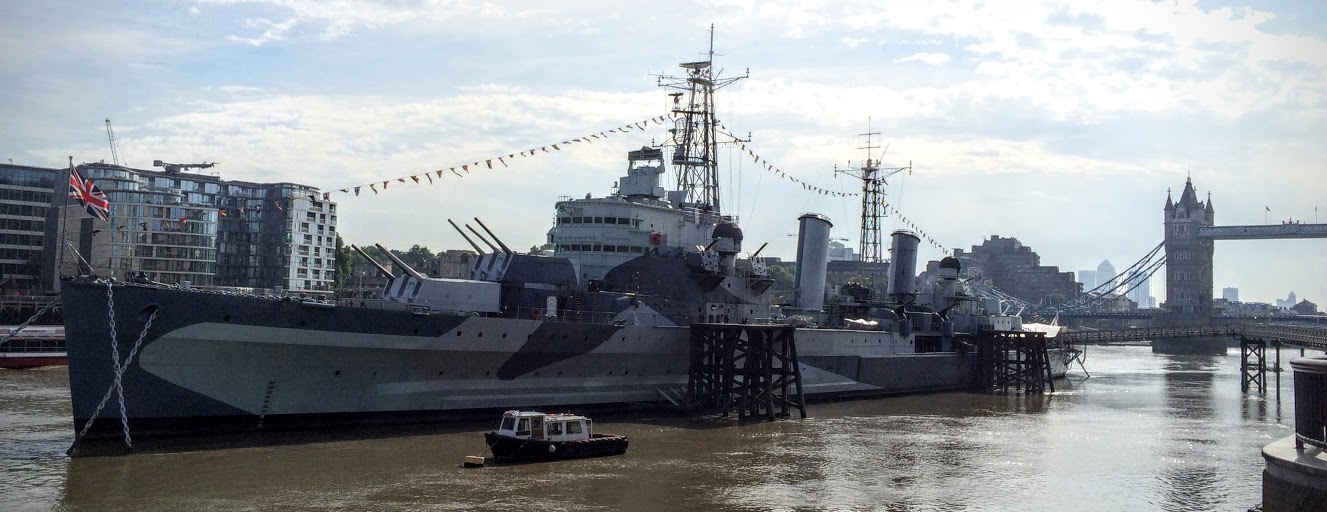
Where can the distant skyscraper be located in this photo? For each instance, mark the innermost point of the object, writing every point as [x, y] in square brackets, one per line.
[1231, 294]
[1140, 291]
[1288, 303]
[1105, 272]
[1088, 278]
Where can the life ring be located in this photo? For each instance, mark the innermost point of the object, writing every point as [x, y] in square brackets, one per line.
[536, 313]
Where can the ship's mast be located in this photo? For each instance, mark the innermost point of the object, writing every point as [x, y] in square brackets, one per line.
[695, 132]
[872, 197]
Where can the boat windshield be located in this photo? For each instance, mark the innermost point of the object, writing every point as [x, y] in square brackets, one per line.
[508, 423]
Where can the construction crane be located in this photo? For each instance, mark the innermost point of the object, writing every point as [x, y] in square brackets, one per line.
[169, 167]
[110, 135]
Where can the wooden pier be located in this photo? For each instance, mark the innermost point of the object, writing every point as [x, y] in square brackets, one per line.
[748, 368]
[1013, 360]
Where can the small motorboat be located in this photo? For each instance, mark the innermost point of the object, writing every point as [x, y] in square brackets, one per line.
[526, 436]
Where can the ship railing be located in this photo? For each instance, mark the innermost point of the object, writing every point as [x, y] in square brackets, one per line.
[20, 344]
[576, 316]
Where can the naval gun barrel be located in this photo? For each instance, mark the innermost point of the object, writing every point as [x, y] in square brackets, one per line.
[482, 239]
[466, 237]
[495, 237]
[398, 261]
[386, 273]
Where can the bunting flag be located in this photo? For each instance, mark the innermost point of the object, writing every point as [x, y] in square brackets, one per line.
[488, 162]
[768, 166]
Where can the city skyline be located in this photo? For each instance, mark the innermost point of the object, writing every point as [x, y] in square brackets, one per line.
[1058, 124]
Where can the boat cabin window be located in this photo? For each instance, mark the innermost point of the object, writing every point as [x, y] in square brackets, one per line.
[573, 427]
[523, 428]
[508, 423]
[555, 428]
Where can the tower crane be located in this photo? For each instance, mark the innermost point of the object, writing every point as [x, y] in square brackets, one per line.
[110, 135]
[169, 167]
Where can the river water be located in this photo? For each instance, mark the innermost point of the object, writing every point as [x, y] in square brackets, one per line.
[1144, 432]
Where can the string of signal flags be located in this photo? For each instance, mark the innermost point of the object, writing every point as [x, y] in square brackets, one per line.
[761, 161]
[488, 163]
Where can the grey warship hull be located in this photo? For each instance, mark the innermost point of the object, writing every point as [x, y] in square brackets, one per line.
[214, 362]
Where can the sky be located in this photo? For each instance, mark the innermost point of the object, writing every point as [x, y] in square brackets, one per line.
[1060, 123]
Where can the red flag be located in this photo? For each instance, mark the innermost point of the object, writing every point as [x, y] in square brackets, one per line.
[87, 194]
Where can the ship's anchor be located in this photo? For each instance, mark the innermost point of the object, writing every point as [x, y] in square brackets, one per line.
[119, 369]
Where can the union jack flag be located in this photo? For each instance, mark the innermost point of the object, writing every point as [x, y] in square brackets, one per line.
[88, 195]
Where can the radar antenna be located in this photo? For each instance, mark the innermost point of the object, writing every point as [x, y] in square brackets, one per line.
[694, 136]
[873, 195]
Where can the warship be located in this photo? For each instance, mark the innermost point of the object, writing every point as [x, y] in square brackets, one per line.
[601, 322]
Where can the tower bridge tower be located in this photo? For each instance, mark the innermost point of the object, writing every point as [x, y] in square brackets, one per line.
[1188, 259]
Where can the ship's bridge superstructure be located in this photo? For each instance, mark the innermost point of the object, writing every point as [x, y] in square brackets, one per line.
[599, 234]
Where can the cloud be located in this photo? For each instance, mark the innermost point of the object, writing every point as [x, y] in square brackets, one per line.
[934, 59]
[272, 31]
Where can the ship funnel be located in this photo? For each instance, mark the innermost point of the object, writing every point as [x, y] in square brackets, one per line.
[903, 265]
[812, 260]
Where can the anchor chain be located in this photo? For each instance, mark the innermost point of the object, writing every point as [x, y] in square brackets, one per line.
[119, 368]
[23, 325]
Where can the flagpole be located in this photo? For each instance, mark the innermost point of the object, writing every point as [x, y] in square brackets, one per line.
[63, 215]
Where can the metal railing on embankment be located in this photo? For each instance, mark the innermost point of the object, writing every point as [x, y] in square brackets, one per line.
[1314, 338]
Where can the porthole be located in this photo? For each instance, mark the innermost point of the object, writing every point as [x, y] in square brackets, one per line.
[458, 334]
[226, 318]
[338, 372]
[480, 335]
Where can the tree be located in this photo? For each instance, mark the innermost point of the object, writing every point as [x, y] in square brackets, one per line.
[418, 256]
[343, 259]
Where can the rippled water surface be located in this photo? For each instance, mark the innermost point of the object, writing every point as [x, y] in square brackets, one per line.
[1145, 432]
